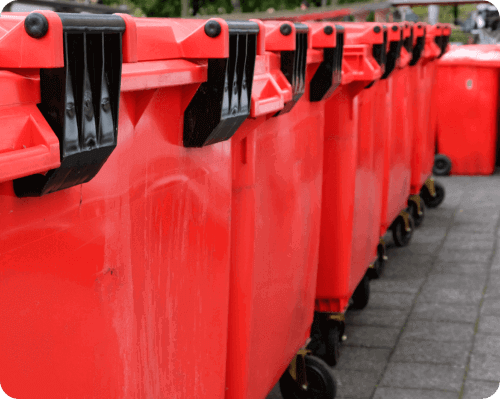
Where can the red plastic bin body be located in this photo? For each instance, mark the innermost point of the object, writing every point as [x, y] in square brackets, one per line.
[467, 91]
[119, 288]
[422, 80]
[397, 170]
[276, 205]
[350, 173]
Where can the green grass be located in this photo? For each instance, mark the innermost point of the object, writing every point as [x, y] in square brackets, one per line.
[446, 13]
[458, 36]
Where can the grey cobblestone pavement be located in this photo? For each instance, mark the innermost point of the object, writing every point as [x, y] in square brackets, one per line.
[432, 327]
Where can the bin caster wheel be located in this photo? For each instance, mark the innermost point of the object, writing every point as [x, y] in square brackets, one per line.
[375, 271]
[430, 201]
[418, 218]
[321, 383]
[361, 294]
[442, 165]
[326, 336]
[401, 231]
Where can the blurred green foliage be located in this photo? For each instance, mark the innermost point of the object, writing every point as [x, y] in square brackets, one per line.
[352, 1]
[172, 8]
[446, 13]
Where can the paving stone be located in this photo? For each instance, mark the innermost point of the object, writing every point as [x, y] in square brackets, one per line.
[475, 389]
[355, 384]
[401, 393]
[492, 292]
[475, 227]
[390, 300]
[489, 324]
[472, 256]
[451, 295]
[486, 343]
[438, 219]
[438, 331]
[377, 317]
[444, 311]
[424, 351]
[422, 249]
[458, 281]
[471, 245]
[275, 393]
[484, 366]
[494, 278]
[477, 215]
[363, 359]
[463, 237]
[491, 305]
[371, 336]
[403, 258]
[396, 285]
[423, 376]
[401, 268]
[460, 268]
[428, 235]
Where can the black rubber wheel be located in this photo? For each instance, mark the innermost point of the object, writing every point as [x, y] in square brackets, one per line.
[377, 270]
[325, 338]
[402, 237]
[417, 219]
[430, 201]
[361, 294]
[320, 380]
[442, 165]
[332, 342]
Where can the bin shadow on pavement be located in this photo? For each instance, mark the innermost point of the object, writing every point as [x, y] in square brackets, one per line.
[432, 327]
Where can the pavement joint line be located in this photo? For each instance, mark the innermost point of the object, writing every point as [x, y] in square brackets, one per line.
[434, 260]
[476, 326]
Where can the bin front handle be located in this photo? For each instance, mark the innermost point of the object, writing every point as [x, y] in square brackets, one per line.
[29, 145]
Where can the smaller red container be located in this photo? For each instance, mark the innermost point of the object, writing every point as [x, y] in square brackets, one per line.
[467, 91]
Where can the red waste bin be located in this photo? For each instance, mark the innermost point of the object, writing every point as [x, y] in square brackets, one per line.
[119, 287]
[397, 170]
[346, 250]
[467, 88]
[277, 166]
[423, 151]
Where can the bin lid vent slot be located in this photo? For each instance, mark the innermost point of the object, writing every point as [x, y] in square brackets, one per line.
[392, 56]
[328, 75]
[417, 50]
[408, 42]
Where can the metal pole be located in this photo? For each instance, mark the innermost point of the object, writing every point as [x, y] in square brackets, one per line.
[236, 5]
[433, 14]
[184, 8]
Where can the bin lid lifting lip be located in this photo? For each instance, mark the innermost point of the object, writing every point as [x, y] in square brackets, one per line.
[222, 103]
[80, 102]
[327, 77]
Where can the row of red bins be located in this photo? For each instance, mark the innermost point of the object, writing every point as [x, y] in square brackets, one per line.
[189, 207]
